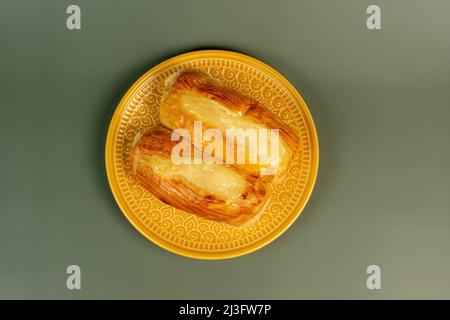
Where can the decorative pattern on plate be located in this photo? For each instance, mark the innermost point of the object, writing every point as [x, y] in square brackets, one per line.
[185, 233]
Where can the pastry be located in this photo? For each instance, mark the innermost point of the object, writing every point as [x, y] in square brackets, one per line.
[193, 96]
[213, 191]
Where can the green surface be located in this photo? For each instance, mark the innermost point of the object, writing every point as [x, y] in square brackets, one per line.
[380, 101]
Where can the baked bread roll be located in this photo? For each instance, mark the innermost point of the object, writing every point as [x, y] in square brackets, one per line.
[194, 96]
[213, 191]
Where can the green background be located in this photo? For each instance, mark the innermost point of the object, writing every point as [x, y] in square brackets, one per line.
[380, 101]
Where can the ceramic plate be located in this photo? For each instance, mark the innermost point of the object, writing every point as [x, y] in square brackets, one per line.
[185, 233]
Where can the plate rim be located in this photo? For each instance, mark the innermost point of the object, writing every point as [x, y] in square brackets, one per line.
[137, 224]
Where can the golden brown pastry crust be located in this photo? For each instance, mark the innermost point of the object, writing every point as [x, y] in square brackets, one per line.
[176, 192]
[173, 116]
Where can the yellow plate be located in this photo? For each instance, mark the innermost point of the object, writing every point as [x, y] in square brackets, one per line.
[184, 233]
